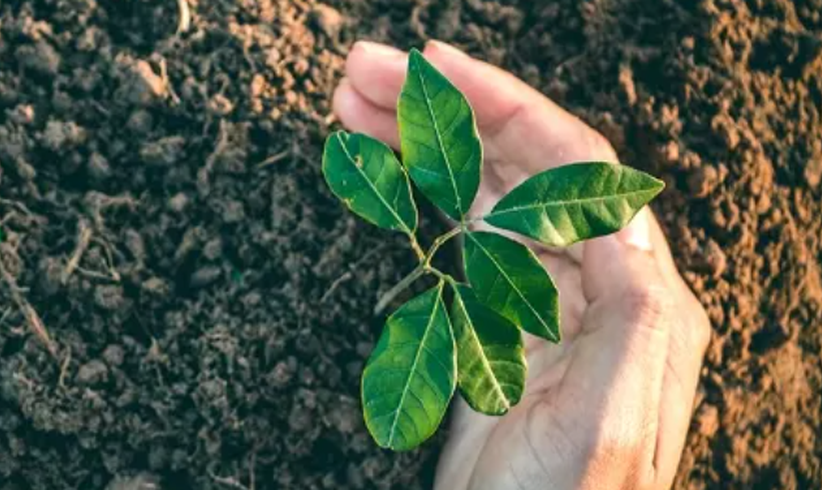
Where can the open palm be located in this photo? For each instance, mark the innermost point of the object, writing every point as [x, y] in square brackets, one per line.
[610, 406]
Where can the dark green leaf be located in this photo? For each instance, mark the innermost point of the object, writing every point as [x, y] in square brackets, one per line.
[366, 175]
[411, 375]
[509, 278]
[575, 202]
[490, 355]
[438, 136]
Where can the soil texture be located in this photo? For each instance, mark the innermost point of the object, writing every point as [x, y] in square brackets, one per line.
[183, 303]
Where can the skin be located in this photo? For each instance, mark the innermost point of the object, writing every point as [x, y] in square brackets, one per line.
[608, 408]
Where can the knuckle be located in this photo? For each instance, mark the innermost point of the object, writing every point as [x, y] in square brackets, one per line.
[648, 305]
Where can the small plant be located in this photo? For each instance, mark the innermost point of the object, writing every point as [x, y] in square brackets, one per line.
[426, 348]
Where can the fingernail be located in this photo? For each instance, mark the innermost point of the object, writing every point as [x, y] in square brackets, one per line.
[638, 232]
[378, 49]
[445, 48]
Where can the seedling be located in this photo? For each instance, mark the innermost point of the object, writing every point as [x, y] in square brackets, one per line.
[427, 349]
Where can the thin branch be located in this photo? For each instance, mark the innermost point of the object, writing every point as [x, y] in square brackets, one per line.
[401, 286]
[275, 158]
[439, 242]
[335, 285]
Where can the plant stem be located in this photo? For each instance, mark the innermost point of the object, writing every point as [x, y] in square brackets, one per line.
[438, 242]
[415, 245]
[421, 270]
[401, 286]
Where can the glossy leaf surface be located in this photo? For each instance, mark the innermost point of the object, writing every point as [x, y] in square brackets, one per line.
[411, 375]
[438, 136]
[571, 203]
[490, 355]
[366, 175]
[508, 278]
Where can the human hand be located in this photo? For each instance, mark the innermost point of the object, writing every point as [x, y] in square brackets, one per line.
[608, 408]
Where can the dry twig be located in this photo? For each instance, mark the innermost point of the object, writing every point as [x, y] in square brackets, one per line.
[203, 175]
[83, 240]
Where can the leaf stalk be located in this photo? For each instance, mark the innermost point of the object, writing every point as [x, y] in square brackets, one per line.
[421, 270]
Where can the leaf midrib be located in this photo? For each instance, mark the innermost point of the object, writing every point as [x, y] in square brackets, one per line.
[413, 369]
[353, 162]
[439, 137]
[484, 357]
[566, 202]
[513, 286]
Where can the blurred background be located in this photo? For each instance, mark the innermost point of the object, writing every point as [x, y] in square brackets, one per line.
[183, 304]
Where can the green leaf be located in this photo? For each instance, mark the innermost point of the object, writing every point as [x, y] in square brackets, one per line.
[575, 202]
[366, 175]
[438, 136]
[509, 278]
[411, 375]
[490, 355]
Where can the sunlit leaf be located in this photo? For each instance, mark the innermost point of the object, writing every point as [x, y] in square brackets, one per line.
[438, 137]
[411, 375]
[490, 356]
[508, 278]
[575, 202]
[366, 175]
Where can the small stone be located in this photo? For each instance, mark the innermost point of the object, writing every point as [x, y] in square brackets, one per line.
[92, 372]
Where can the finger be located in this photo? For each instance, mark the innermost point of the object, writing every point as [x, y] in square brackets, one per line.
[521, 128]
[360, 115]
[630, 314]
[686, 349]
[681, 359]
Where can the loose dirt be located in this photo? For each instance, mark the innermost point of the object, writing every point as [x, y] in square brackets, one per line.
[185, 305]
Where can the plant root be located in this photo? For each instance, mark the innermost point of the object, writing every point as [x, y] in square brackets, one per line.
[33, 320]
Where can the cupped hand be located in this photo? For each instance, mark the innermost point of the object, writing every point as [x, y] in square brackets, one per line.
[608, 408]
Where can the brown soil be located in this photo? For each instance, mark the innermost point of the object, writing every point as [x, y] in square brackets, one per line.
[184, 303]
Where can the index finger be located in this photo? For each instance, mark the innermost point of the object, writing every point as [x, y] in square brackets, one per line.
[518, 124]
